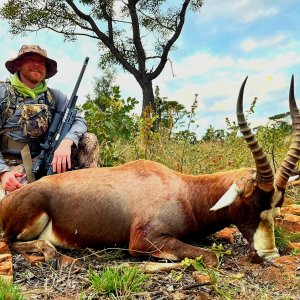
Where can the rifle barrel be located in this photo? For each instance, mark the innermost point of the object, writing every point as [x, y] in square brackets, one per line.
[79, 78]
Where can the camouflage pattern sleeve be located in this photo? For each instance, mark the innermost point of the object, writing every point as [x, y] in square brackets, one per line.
[3, 95]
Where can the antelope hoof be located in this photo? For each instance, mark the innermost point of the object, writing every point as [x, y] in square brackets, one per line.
[53, 263]
[269, 255]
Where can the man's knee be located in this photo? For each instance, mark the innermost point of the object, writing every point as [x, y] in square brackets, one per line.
[88, 151]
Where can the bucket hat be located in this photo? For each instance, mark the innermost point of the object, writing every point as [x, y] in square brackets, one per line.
[51, 65]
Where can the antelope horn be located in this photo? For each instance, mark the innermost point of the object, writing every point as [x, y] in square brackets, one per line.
[264, 172]
[287, 166]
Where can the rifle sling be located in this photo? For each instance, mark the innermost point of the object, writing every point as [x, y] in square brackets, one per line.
[15, 146]
[27, 162]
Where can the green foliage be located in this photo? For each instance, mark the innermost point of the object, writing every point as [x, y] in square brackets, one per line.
[294, 237]
[109, 117]
[124, 136]
[118, 281]
[281, 239]
[9, 291]
[215, 135]
[180, 151]
[172, 114]
[197, 263]
[191, 119]
[220, 250]
[186, 135]
[284, 238]
[221, 288]
[294, 252]
[276, 137]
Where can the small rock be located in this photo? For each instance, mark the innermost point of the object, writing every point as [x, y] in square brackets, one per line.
[6, 268]
[66, 260]
[33, 259]
[5, 256]
[289, 222]
[201, 278]
[4, 247]
[170, 288]
[293, 209]
[226, 234]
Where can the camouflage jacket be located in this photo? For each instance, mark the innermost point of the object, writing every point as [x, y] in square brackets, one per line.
[76, 132]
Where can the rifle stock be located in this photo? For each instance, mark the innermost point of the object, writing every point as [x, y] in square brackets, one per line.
[60, 126]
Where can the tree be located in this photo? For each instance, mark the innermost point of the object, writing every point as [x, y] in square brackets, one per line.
[215, 135]
[136, 34]
[173, 115]
[170, 113]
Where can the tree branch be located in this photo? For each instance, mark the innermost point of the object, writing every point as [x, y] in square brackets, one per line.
[107, 41]
[61, 32]
[141, 56]
[107, 17]
[156, 20]
[171, 41]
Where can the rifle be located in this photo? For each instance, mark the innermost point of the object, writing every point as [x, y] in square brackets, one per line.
[60, 126]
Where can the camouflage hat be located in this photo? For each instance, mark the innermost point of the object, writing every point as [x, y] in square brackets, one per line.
[51, 65]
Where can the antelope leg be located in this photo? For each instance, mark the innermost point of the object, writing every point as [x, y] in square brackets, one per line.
[39, 246]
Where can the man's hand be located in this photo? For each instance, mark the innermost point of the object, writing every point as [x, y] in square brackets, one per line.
[62, 156]
[9, 180]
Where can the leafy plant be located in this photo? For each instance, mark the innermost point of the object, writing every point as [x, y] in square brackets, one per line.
[274, 136]
[223, 289]
[281, 239]
[117, 281]
[191, 120]
[9, 291]
[284, 238]
[197, 263]
[220, 251]
[110, 118]
[294, 252]
[146, 135]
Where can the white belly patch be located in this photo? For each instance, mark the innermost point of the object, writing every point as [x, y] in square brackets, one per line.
[49, 235]
[30, 232]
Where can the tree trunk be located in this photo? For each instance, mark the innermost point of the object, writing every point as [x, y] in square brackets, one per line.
[148, 95]
[149, 106]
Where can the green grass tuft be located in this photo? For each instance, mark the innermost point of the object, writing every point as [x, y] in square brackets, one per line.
[9, 291]
[117, 281]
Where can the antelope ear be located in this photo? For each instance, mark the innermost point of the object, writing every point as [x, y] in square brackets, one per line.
[228, 198]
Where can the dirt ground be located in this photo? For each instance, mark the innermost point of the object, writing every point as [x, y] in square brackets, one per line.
[236, 277]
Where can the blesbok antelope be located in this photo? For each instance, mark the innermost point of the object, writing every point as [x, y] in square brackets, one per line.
[151, 209]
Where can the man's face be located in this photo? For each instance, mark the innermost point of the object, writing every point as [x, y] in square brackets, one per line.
[32, 69]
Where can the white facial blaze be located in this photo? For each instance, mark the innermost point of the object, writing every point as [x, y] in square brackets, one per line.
[264, 239]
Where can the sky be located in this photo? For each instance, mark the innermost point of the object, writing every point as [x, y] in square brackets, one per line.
[219, 46]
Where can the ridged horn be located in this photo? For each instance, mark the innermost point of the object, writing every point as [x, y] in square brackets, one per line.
[264, 172]
[287, 166]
